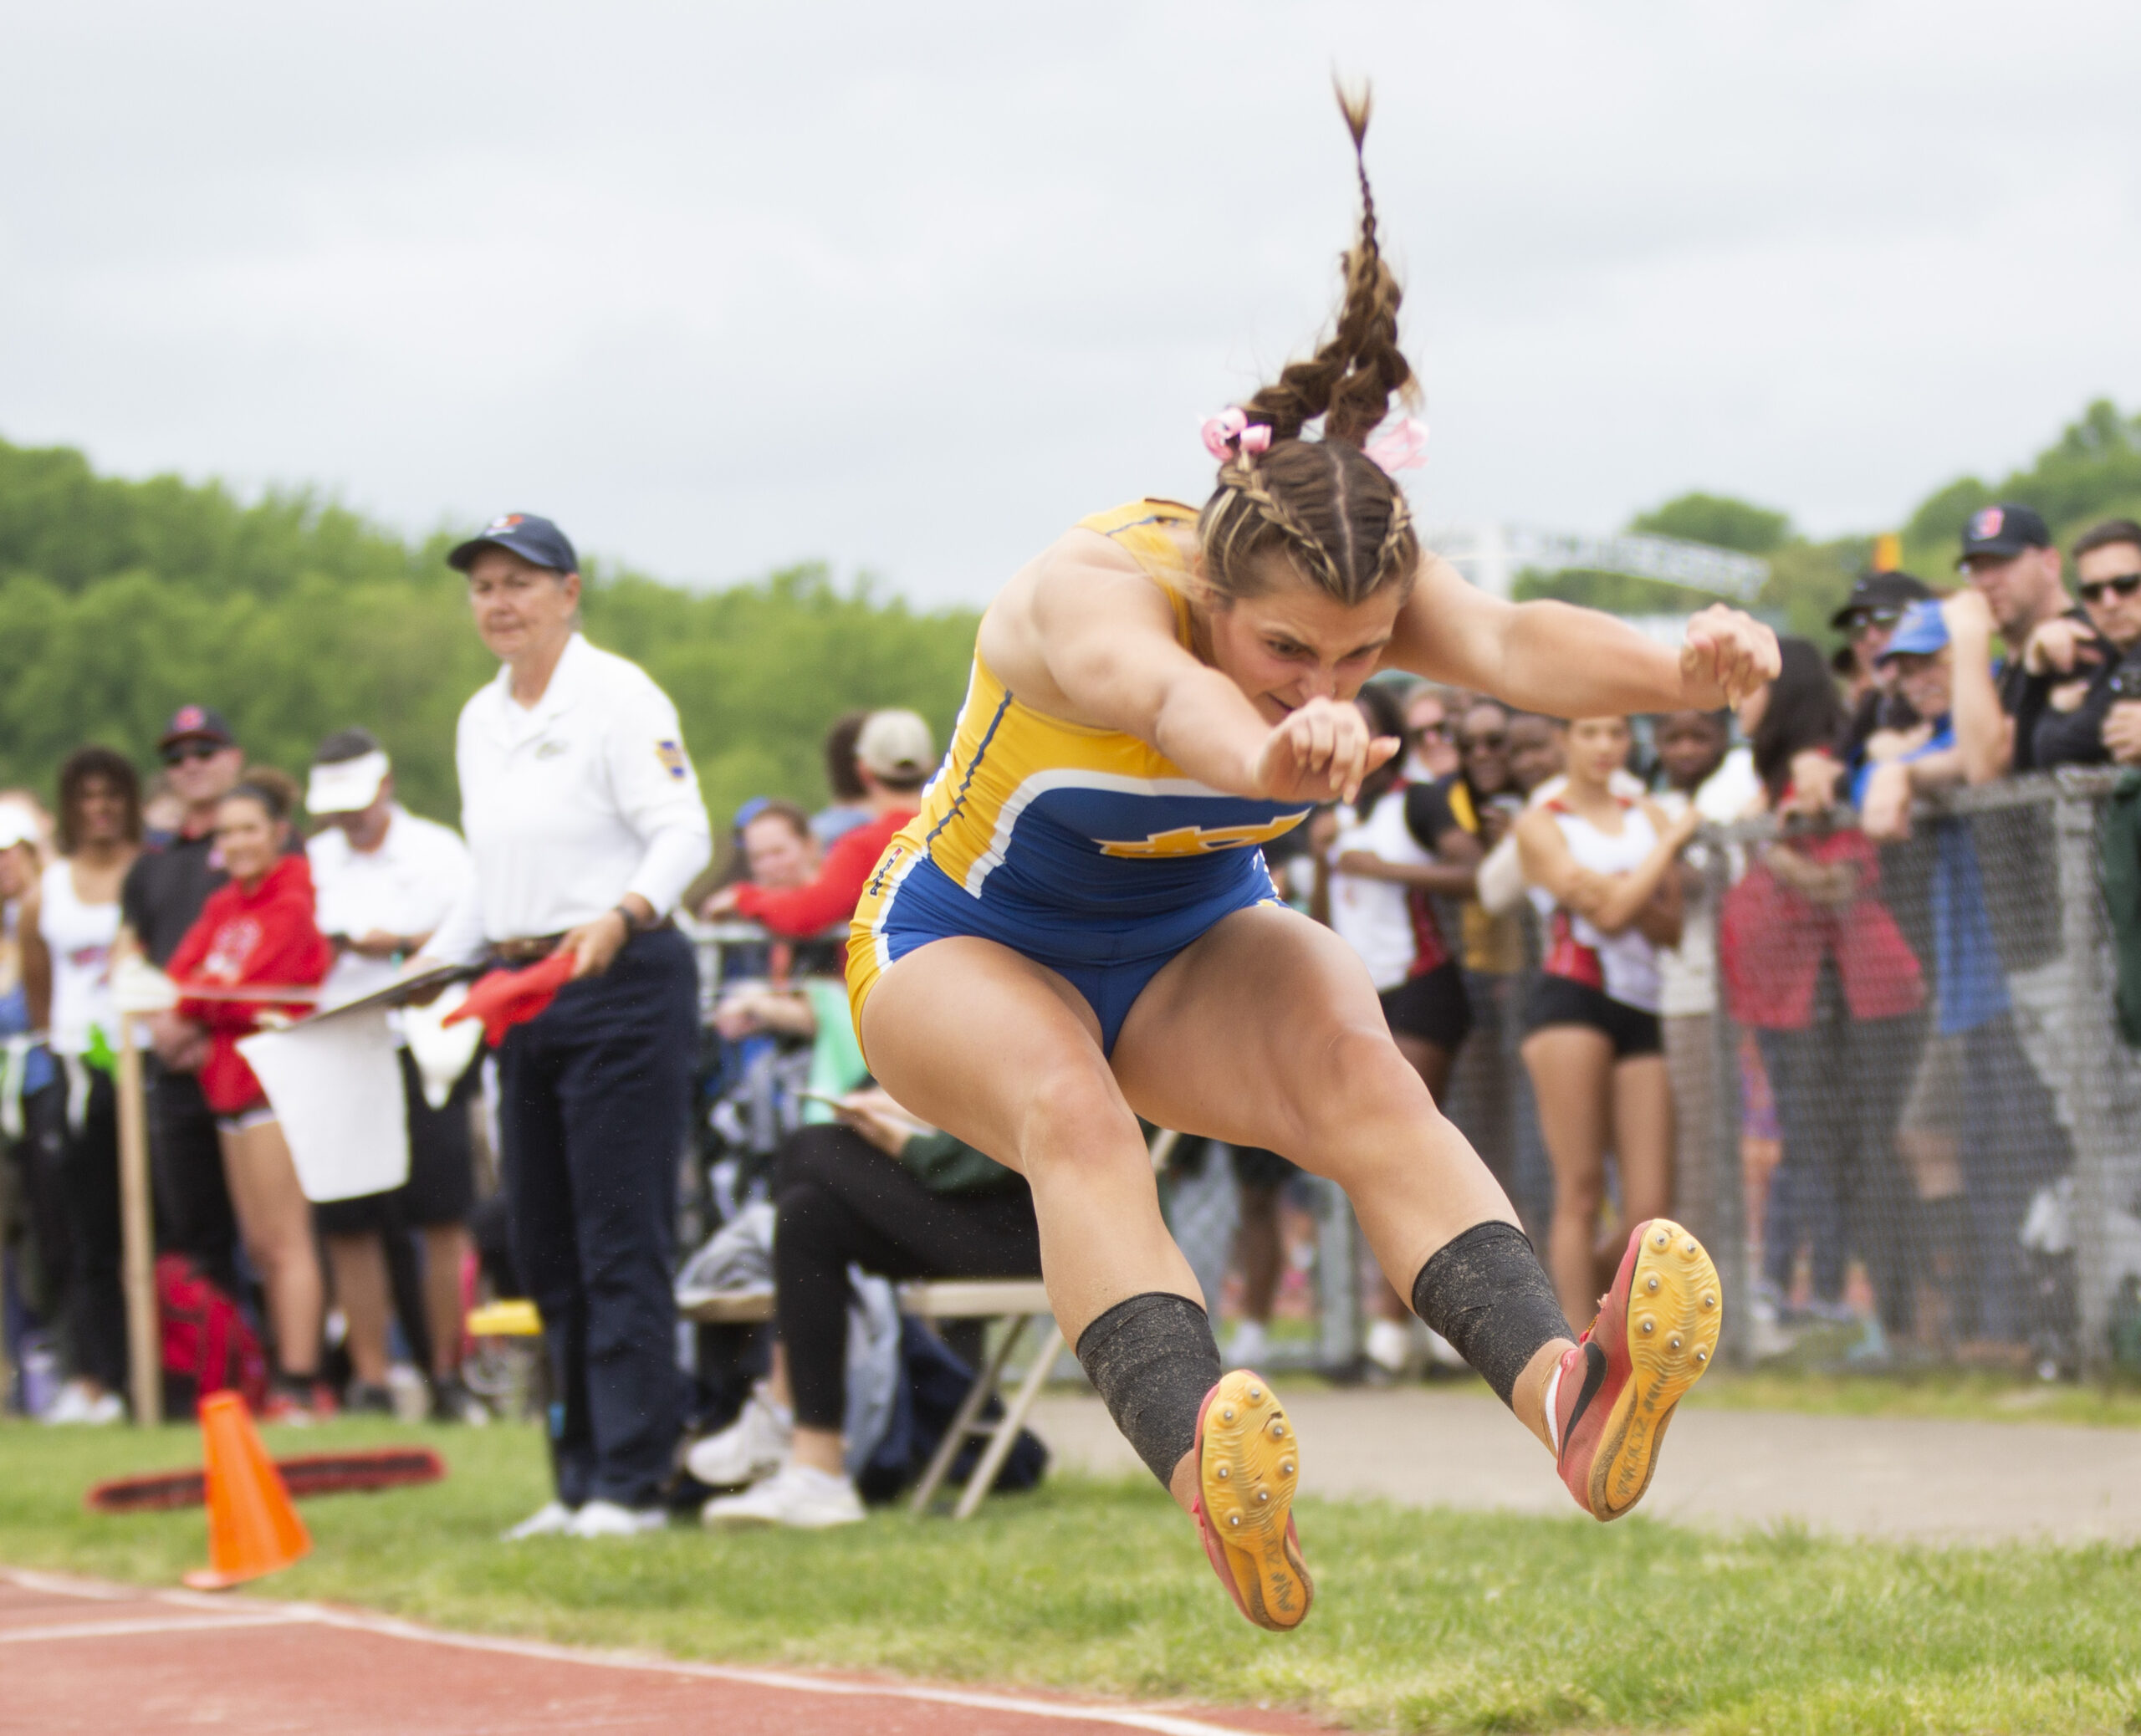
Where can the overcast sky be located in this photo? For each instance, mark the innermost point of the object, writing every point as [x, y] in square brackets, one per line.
[909, 288]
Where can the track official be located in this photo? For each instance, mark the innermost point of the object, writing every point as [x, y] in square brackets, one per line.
[584, 815]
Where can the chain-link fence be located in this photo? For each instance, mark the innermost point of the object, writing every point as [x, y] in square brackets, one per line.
[1922, 1127]
[1909, 1129]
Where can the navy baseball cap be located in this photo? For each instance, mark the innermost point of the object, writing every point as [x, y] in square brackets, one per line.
[1880, 591]
[1923, 630]
[523, 533]
[2005, 531]
[195, 724]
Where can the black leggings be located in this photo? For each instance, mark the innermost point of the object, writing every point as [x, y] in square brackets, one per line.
[840, 1200]
[96, 1308]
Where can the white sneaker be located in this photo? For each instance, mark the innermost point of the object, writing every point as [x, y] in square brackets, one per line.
[793, 1495]
[750, 1447]
[74, 1406]
[606, 1519]
[1250, 1344]
[553, 1519]
[1390, 1346]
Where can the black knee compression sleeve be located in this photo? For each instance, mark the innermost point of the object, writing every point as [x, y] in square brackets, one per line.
[1153, 1359]
[1485, 1293]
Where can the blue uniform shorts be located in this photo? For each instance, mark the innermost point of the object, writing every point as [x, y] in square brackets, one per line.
[1107, 956]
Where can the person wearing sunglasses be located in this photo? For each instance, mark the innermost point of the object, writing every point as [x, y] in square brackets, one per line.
[159, 900]
[2078, 669]
[1430, 733]
[1867, 620]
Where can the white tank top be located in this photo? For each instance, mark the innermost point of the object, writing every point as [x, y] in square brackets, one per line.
[1623, 965]
[1376, 917]
[79, 938]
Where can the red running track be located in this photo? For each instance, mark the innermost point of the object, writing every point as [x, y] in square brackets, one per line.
[81, 1658]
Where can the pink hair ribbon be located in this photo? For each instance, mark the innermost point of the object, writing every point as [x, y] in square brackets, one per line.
[1402, 446]
[1231, 434]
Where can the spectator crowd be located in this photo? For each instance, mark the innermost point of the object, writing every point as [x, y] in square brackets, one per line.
[1562, 953]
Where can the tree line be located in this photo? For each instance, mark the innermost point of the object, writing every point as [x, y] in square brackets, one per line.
[121, 600]
[2091, 472]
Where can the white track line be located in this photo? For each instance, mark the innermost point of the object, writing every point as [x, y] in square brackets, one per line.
[1160, 1724]
[123, 1628]
[64, 1586]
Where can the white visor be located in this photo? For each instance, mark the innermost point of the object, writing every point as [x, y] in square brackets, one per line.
[347, 787]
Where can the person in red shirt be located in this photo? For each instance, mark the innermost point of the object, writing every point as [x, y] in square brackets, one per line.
[894, 757]
[255, 930]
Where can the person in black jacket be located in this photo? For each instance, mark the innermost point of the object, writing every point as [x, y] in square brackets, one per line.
[2077, 670]
[162, 894]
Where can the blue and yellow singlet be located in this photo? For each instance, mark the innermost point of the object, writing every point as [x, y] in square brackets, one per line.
[1086, 849]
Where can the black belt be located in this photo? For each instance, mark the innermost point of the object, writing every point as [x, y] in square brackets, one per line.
[515, 953]
[532, 948]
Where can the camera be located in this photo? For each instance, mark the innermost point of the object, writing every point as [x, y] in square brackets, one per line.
[2125, 682]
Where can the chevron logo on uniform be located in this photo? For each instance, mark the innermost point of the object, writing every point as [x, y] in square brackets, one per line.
[1199, 840]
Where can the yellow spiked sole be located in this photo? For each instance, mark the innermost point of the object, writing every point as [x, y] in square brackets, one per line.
[1247, 1473]
[1674, 1308]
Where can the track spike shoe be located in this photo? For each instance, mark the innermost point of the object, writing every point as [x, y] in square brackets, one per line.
[1248, 1468]
[1655, 1335]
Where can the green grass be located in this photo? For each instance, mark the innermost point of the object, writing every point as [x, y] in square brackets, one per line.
[1959, 1394]
[1953, 1394]
[1423, 1621]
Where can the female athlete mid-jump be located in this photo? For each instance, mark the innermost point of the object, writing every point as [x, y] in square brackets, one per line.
[1078, 930]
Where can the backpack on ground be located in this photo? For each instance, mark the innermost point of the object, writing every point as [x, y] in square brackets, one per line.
[933, 1384]
[208, 1345]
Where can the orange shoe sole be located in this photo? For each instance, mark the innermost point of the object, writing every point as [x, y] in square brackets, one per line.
[1674, 1310]
[1249, 1466]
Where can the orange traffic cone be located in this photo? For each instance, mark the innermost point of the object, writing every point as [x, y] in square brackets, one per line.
[253, 1529]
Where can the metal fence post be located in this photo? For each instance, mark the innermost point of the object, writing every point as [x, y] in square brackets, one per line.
[1338, 1278]
[2086, 1049]
[1728, 1245]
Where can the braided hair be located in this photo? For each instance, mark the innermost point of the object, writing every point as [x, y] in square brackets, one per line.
[1324, 503]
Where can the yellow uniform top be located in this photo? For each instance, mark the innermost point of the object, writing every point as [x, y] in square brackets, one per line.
[1031, 810]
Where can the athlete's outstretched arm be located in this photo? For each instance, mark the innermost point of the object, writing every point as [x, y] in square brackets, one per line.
[1572, 662]
[1097, 638]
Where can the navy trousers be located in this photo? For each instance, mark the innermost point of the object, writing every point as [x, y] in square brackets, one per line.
[594, 1108]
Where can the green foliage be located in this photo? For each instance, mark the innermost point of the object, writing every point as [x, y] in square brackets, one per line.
[1616, 593]
[1719, 520]
[121, 601]
[2091, 472]
[1807, 583]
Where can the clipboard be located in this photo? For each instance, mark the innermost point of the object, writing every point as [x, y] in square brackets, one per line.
[402, 991]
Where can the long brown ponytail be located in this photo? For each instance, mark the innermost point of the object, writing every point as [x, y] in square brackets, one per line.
[1323, 502]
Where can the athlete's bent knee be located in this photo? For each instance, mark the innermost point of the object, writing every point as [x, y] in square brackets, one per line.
[1364, 1081]
[1074, 1114]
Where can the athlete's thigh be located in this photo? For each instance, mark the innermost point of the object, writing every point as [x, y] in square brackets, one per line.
[968, 1033]
[1218, 1042]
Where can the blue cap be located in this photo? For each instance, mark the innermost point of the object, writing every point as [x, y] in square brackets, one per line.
[1923, 630]
[523, 533]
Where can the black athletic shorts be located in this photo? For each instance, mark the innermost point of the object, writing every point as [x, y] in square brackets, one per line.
[441, 1184]
[1561, 1000]
[1253, 1166]
[1256, 1167]
[1432, 1006]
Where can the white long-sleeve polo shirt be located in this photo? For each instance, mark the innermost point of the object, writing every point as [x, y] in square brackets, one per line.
[571, 803]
